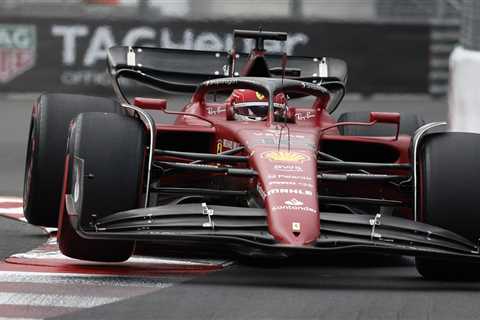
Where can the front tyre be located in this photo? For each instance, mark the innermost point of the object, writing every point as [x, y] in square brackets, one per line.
[449, 180]
[47, 141]
[111, 149]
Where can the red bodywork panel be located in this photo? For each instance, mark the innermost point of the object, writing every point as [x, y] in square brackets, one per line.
[284, 155]
[285, 159]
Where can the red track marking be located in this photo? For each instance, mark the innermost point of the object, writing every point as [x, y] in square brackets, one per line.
[12, 208]
[6, 205]
[44, 283]
[47, 258]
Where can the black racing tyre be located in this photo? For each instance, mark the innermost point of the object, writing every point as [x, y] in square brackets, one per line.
[409, 122]
[49, 124]
[111, 148]
[448, 197]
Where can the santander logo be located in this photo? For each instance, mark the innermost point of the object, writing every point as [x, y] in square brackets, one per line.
[293, 202]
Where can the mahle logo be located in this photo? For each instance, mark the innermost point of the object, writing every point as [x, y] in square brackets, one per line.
[18, 44]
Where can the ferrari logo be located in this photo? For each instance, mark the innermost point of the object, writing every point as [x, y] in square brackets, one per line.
[17, 50]
[296, 226]
[285, 156]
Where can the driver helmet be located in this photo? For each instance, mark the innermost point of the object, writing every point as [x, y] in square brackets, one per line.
[251, 105]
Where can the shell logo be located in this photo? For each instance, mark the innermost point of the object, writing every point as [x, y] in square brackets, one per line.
[285, 156]
[259, 95]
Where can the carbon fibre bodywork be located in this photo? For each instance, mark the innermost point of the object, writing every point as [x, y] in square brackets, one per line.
[245, 231]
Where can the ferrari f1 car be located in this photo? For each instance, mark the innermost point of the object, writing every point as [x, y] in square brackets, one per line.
[254, 165]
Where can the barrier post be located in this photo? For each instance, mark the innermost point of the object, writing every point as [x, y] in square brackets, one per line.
[464, 64]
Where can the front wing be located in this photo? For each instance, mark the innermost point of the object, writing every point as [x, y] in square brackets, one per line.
[244, 231]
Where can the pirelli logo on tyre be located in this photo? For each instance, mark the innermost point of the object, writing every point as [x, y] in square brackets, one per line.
[285, 156]
[18, 44]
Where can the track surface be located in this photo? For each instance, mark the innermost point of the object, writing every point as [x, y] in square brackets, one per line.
[354, 287]
[42, 283]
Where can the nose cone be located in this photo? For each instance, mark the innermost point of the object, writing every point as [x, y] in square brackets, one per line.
[288, 185]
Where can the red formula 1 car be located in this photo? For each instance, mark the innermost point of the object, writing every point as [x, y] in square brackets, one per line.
[254, 165]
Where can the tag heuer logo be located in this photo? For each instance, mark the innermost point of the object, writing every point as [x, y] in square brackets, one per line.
[18, 44]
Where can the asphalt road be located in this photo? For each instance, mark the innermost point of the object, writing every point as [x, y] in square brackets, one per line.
[352, 287]
[344, 289]
[18, 237]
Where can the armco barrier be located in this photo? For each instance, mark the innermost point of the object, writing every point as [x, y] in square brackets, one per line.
[68, 55]
[444, 36]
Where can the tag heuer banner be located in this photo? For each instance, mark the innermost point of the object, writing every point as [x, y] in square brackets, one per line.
[18, 44]
[65, 55]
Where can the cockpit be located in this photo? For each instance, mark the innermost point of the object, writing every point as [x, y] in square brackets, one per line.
[251, 105]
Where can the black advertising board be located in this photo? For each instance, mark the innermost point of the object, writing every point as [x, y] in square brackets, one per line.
[66, 55]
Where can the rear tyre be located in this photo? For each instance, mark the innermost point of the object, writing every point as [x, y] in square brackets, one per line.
[49, 124]
[111, 148]
[448, 197]
[409, 122]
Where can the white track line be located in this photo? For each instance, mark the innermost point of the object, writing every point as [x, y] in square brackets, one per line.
[11, 199]
[17, 211]
[40, 253]
[53, 300]
[89, 279]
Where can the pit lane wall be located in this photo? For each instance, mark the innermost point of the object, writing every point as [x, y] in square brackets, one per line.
[68, 55]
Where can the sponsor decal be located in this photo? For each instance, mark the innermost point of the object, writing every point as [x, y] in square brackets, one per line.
[288, 177]
[18, 44]
[287, 168]
[306, 178]
[302, 192]
[218, 82]
[213, 111]
[259, 95]
[305, 184]
[312, 86]
[291, 183]
[282, 183]
[293, 202]
[285, 156]
[274, 142]
[305, 115]
[296, 226]
[273, 138]
[296, 208]
[275, 133]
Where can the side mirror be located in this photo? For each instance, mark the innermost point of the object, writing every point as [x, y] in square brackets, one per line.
[387, 117]
[150, 103]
